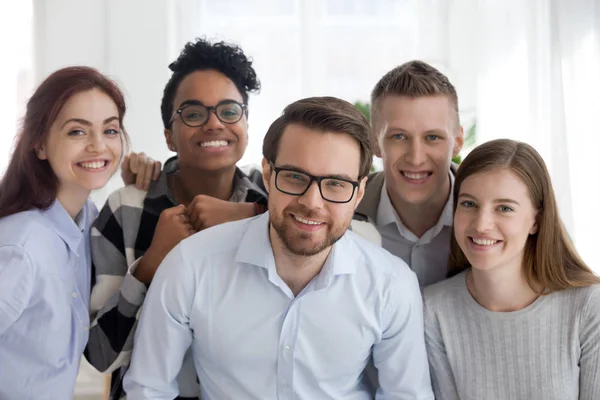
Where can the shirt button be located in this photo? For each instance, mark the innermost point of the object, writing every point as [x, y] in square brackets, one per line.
[74, 294]
[85, 328]
[286, 347]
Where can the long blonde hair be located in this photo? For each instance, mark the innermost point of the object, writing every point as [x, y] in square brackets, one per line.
[550, 261]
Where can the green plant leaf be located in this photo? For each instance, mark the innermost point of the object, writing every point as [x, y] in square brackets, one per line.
[364, 108]
[471, 136]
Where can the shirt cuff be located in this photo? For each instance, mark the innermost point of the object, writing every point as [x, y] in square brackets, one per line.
[133, 290]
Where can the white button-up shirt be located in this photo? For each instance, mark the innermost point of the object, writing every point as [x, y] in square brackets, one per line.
[219, 292]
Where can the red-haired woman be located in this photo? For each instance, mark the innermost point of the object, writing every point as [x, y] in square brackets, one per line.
[71, 143]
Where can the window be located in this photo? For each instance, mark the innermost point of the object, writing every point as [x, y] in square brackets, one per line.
[16, 75]
[308, 48]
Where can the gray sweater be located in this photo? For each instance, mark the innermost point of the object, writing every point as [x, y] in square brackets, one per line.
[550, 350]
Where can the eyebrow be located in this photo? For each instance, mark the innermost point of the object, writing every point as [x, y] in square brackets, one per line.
[88, 123]
[429, 132]
[193, 102]
[391, 128]
[334, 176]
[495, 200]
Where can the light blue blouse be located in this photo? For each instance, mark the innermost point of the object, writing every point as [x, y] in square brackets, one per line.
[45, 273]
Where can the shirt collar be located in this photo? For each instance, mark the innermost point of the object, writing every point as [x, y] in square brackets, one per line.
[159, 196]
[70, 231]
[447, 218]
[386, 214]
[243, 186]
[255, 248]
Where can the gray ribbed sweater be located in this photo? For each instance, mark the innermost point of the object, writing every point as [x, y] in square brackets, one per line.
[548, 351]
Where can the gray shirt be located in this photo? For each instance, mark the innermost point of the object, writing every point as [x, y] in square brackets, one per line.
[549, 350]
[427, 256]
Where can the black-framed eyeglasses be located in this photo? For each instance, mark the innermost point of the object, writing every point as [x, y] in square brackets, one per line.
[296, 183]
[194, 115]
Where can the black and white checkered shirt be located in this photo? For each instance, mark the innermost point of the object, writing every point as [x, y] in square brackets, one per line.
[121, 235]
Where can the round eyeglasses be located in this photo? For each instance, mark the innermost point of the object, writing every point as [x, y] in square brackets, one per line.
[194, 115]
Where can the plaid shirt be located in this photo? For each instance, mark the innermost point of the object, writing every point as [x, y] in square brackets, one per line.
[121, 235]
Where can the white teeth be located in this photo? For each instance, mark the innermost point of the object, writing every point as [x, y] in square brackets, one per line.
[415, 176]
[484, 242]
[214, 143]
[306, 221]
[93, 164]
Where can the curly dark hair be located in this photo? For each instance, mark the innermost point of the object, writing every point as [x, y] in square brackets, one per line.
[224, 57]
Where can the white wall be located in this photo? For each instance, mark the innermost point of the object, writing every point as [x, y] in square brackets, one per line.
[8, 92]
[130, 41]
[15, 79]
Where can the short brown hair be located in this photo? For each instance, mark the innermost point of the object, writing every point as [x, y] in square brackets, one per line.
[550, 262]
[327, 114]
[414, 79]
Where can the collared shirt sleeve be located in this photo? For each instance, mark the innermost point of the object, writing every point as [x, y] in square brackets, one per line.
[116, 295]
[17, 279]
[400, 357]
[164, 320]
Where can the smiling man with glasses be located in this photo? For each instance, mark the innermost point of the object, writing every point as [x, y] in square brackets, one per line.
[295, 182]
[289, 304]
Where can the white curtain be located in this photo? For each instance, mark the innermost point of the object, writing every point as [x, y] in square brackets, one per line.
[538, 81]
[307, 48]
[15, 72]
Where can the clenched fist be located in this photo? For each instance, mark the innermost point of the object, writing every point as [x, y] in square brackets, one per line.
[173, 226]
[205, 211]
